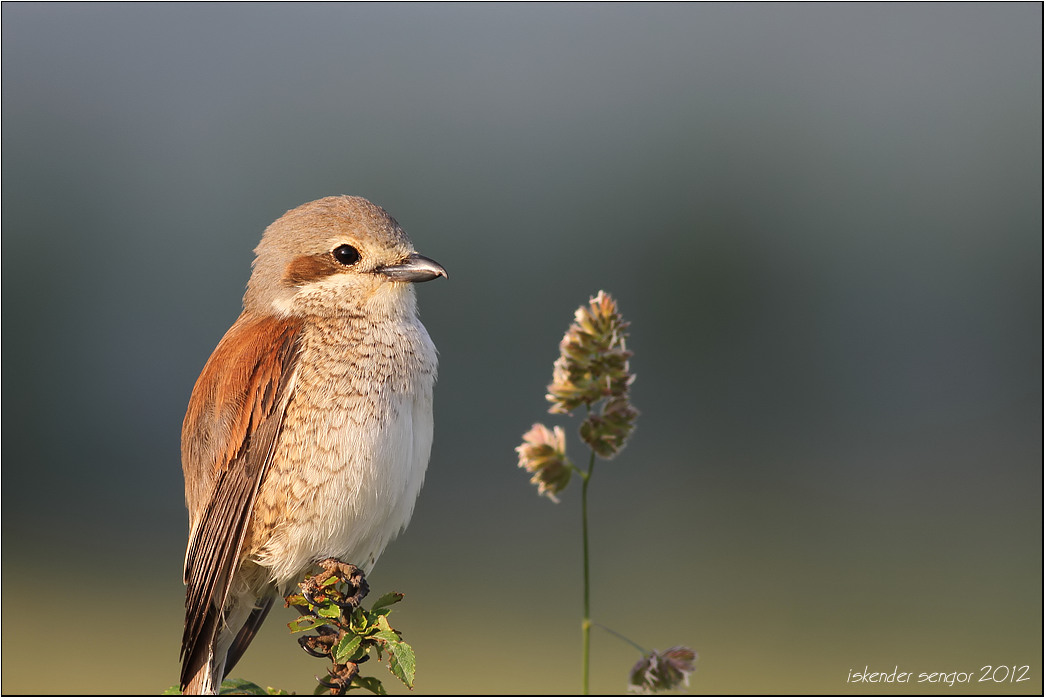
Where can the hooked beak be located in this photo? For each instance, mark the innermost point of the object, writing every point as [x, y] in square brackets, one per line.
[416, 268]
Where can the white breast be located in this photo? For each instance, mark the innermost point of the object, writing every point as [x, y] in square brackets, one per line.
[354, 448]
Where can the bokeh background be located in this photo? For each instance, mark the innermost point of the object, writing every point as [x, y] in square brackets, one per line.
[824, 222]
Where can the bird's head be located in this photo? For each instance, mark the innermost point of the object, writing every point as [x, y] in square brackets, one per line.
[334, 256]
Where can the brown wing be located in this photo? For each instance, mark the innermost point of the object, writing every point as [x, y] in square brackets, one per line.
[228, 439]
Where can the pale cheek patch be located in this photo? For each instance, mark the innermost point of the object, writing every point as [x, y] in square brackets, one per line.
[336, 293]
[311, 280]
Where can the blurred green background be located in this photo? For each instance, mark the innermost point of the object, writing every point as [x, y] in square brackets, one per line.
[824, 222]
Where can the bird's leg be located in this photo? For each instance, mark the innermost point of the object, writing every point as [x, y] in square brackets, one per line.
[345, 585]
[316, 589]
[349, 575]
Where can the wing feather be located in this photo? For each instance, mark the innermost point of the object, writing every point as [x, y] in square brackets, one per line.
[228, 441]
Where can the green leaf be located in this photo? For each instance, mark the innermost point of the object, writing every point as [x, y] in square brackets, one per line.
[331, 611]
[389, 636]
[383, 624]
[296, 600]
[240, 686]
[387, 600]
[172, 691]
[360, 621]
[305, 623]
[345, 648]
[401, 662]
[273, 692]
[371, 684]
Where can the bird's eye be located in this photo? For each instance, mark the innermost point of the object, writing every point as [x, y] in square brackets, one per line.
[346, 255]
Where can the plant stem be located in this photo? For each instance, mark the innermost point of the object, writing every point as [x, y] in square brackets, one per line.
[624, 638]
[586, 621]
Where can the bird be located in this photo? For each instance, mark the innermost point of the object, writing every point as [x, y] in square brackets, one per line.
[309, 430]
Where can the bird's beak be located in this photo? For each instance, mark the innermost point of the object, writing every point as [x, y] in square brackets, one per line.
[416, 268]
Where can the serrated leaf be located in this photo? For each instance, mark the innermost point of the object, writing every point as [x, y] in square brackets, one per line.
[305, 623]
[383, 624]
[241, 687]
[389, 636]
[387, 600]
[371, 684]
[295, 600]
[401, 662]
[345, 648]
[330, 611]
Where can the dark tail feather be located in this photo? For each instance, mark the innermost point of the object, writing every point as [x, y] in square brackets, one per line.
[248, 632]
[198, 664]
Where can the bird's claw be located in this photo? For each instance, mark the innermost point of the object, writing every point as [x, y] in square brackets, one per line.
[362, 589]
[313, 644]
[329, 685]
[310, 596]
[345, 572]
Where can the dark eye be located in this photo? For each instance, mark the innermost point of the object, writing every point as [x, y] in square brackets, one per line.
[346, 255]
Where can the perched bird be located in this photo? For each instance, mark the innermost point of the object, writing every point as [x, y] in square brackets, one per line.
[308, 432]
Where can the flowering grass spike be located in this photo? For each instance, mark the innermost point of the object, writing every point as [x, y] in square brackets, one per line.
[606, 431]
[659, 672]
[543, 453]
[593, 358]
